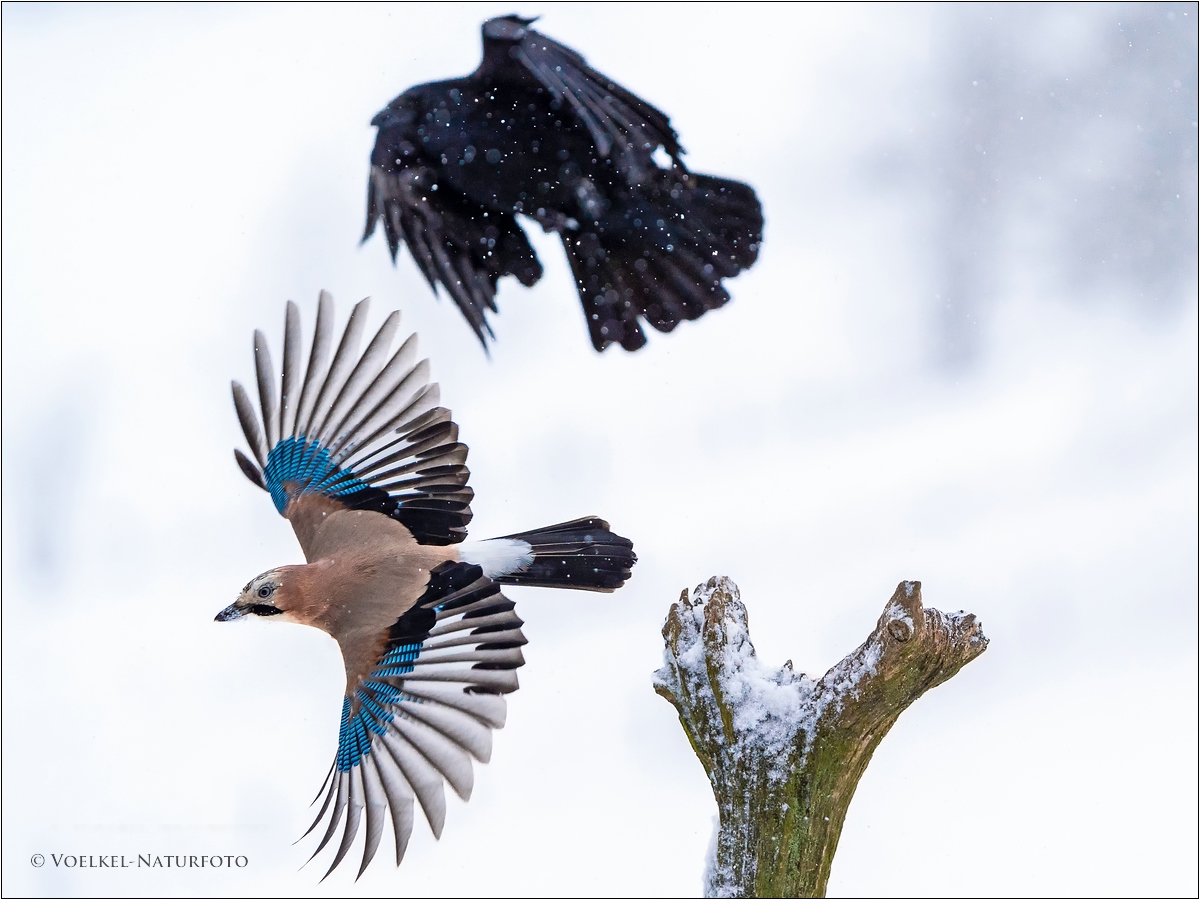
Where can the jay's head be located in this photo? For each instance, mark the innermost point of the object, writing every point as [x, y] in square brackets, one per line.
[266, 596]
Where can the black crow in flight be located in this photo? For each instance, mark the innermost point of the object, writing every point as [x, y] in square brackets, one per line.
[535, 131]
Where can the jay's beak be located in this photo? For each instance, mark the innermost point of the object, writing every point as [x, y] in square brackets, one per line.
[229, 613]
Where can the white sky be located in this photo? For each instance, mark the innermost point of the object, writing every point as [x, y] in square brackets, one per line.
[172, 175]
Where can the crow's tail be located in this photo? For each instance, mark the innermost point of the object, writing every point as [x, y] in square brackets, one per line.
[662, 255]
[583, 554]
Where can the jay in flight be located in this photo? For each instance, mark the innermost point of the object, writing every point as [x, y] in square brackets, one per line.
[358, 455]
[534, 131]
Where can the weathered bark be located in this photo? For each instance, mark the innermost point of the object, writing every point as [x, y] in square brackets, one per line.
[784, 753]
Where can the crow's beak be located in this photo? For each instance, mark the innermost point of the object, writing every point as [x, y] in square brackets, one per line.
[229, 613]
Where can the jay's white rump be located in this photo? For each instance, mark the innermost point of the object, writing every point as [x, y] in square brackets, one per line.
[499, 556]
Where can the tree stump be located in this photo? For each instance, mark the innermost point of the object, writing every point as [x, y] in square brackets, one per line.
[784, 753]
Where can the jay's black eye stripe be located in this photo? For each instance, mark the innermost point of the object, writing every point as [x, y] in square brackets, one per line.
[263, 609]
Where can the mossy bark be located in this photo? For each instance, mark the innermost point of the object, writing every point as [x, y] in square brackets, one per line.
[784, 753]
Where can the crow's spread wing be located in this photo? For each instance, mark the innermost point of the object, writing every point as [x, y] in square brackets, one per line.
[361, 432]
[462, 245]
[621, 124]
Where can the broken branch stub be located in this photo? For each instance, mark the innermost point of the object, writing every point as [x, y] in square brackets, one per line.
[784, 753]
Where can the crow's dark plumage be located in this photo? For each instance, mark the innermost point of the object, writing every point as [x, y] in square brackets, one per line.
[535, 131]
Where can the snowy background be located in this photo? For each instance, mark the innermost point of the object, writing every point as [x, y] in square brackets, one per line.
[967, 355]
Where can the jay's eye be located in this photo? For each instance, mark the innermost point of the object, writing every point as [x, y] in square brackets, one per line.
[265, 591]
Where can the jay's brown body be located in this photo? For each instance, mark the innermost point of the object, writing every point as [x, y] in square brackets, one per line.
[364, 572]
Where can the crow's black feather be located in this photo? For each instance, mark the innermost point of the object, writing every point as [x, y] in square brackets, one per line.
[534, 131]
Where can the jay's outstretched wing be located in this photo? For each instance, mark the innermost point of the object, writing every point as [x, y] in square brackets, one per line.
[358, 432]
[427, 707]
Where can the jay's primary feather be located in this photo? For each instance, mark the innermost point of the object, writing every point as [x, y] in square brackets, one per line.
[535, 131]
[359, 456]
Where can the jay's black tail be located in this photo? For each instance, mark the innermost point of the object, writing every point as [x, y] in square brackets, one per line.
[660, 252]
[582, 554]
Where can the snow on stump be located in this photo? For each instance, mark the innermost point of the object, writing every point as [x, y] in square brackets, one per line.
[784, 753]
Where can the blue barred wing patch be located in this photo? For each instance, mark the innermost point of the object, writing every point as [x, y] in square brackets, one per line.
[352, 740]
[307, 467]
[375, 700]
[398, 662]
